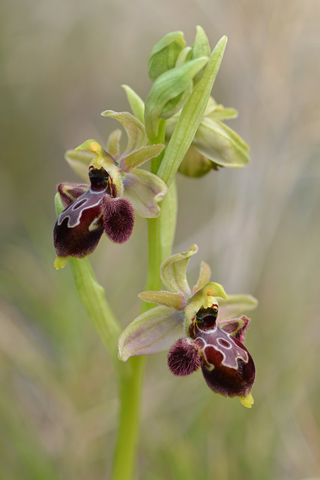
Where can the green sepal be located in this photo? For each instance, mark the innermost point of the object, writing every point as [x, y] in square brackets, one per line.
[167, 299]
[113, 144]
[236, 305]
[204, 277]
[140, 156]
[164, 54]
[217, 111]
[79, 162]
[173, 271]
[169, 92]
[144, 190]
[135, 130]
[152, 332]
[136, 103]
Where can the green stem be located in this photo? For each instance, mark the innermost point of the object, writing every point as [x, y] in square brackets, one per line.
[129, 419]
[161, 234]
[161, 231]
[92, 297]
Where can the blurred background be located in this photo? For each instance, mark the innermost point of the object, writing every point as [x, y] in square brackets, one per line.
[62, 62]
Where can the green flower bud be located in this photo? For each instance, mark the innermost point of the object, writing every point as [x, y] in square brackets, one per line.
[164, 54]
[169, 93]
[195, 165]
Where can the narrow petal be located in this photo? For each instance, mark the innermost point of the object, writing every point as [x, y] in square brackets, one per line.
[136, 103]
[219, 112]
[69, 192]
[79, 162]
[168, 299]
[222, 113]
[235, 305]
[204, 277]
[152, 332]
[136, 133]
[113, 145]
[140, 156]
[144, 190]
[173, 271]
[118, 218]
[236, 327]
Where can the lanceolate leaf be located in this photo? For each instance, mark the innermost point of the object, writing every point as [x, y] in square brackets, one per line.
[191, 116]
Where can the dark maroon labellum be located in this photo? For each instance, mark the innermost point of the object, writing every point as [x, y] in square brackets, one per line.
[90, 211]
[226, 364]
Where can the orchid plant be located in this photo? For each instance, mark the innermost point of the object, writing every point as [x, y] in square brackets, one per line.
[179, 127]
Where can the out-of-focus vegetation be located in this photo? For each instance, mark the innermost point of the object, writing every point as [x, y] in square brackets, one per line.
[61, 64]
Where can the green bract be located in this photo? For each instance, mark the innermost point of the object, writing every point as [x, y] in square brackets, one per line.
[157, 329]
[214, 144]
[191, 115]
[164, 54]
[170, 92]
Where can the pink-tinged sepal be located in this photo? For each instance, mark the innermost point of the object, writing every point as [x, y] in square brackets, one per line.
[151, 332]
[236, 327]
[144, 190]
[118, 218]
[69, 192]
